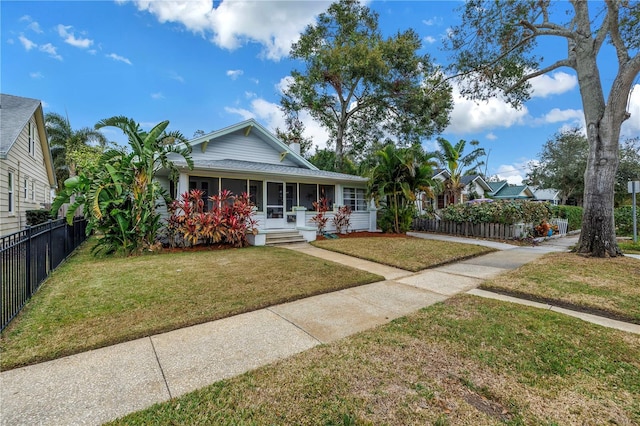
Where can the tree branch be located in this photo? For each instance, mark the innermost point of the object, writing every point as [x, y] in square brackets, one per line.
[562, 63]
[614, 31]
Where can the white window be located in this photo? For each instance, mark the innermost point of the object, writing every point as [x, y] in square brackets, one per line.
[32, 139]
[10, 192]
[26, 185]
[33, 191]
[355, 198]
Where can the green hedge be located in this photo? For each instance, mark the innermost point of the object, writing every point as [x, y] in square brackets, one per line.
[502, 211]
[573, 213]
[36, 217]
[624, 220]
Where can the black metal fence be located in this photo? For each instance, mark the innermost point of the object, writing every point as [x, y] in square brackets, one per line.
[27, 257]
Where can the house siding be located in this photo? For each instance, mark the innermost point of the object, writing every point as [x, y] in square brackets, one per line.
[23, 165]
[237, 146]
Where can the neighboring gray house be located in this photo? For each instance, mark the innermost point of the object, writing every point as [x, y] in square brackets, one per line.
[246, 157]
[27, 178]
[551, 195]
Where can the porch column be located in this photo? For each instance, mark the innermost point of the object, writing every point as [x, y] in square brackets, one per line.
[183, 184]
[373, 218]
[300, 216]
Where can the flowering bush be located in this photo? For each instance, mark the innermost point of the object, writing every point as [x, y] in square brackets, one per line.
[503, 211]
[320, 219]
[228, 222]
[342, 219]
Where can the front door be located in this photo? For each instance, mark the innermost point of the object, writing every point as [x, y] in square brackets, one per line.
[275, 205]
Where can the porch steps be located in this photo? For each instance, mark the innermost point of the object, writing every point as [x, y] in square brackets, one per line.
[284, 237]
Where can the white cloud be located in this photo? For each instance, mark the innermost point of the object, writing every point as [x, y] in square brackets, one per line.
[157, 95]
[36, 75]
[475, 116]
[429, 39]
[557, 115]
[175, 76]
[35, 27]
[491, 136]
[26, 43]
[25, 18]
[51, 50]
[272, 116]
[554, 84]
[254, 80]
[250, 95]
[432, 21]
[92, 51]
[631, 127]
[230, 24]
[70, 38]
[119, 58]
[514, 173]
[234, 74]
[44, 104]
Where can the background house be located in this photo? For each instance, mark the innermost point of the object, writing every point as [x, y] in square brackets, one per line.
[27, 179]
[550, 195]
[282, 184]
[503, 191]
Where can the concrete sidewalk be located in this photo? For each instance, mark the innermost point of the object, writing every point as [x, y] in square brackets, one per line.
[104, 384]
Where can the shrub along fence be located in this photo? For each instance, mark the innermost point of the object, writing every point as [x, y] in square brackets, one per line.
[501, 231]
[28, 256]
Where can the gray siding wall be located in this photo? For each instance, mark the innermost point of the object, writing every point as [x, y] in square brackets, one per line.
[237, 146]
[23, 165]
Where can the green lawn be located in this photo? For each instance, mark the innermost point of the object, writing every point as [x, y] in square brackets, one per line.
[467, 361]
[94, 302]
[408, 253]
[605, 286]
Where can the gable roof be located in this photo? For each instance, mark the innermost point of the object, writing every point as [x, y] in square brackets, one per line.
[265, 135]
[546, 193]
[443, 173]
[515, 191]
[467, 179]
[496, 186]
[15, 112]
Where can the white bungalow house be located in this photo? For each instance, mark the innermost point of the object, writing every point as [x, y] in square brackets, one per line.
[283, 185]
[473, 186]
[27, 178]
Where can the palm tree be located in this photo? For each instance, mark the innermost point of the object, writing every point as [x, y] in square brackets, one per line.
[69, 147]
[397, 176]
[450, 156]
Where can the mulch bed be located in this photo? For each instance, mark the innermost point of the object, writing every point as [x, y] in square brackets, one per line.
[364, 234]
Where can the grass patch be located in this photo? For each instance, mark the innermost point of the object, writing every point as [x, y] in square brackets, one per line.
[467, 361]
[408, 253]
[627, 246]
[603, 286]
[93, 302]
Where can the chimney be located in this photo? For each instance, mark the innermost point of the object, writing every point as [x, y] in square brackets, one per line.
[295, 147]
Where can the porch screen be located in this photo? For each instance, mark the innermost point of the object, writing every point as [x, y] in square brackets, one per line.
[308, 195]
[237, 186]
[255, 193]
[329, 193]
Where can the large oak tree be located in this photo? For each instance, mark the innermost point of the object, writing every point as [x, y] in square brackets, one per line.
[494, 52]
[363, 87]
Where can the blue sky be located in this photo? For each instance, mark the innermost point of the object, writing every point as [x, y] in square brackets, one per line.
[206, 65]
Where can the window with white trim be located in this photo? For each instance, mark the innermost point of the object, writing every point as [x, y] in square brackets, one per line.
[10, 192]
[32, 139]
[25, 187]
[33, 191]
[355, 198]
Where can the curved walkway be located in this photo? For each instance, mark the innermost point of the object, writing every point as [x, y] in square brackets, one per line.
[104, 384]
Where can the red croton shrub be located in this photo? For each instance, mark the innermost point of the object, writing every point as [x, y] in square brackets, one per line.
[228, 222]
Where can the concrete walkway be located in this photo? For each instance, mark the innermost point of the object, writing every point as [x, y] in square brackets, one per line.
[104, 384]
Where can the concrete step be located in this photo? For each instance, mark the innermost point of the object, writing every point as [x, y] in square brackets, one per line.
[285, 237]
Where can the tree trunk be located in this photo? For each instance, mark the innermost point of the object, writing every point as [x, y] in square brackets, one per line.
[603, 122]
